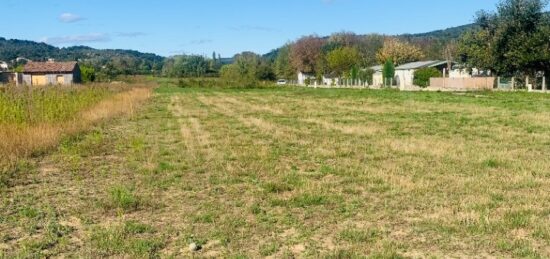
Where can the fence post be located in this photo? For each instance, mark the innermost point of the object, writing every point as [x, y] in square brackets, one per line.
[544, 83]
[529, 86]
[513, 83]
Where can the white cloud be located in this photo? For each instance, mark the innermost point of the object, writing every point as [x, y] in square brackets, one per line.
[200, 42]
[70, 18]
[76, 39]
[130, 34]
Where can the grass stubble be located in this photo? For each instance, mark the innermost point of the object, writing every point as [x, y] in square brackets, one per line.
[294, 173]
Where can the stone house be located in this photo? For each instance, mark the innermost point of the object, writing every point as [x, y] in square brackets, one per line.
[51, 73]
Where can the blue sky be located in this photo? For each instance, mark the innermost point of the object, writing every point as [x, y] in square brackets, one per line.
[169, 27]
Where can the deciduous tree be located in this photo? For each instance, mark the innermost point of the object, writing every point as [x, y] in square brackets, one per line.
[305, 53]
[283, 67]
[344, 39]
[399, 52]
[514, 40]
[368, 47]
[343, 59]
[248, 67]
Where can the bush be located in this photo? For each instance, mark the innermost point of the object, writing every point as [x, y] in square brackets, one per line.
[215, 83]
[388, 72]
[423, 75]
[366, 75]
[87, 74]
[183, 83]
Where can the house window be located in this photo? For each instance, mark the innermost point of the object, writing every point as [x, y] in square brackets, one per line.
[60, 79]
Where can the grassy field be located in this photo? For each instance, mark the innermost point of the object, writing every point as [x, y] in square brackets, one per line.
[32, 120]
[293, 173]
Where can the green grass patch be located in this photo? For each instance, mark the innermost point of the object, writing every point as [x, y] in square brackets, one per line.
[129, 239]
[359, 236]
[122, 197]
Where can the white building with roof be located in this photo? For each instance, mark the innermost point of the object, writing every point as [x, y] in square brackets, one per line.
[377, 77]
[404, 74]
[306, 78]
[3, 66]
[460, 71]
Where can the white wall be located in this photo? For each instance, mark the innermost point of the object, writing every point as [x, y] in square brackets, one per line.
[404, 78]
[377, 79]
[331, 81]
[463, 73]
[459, 73]
[302, 78]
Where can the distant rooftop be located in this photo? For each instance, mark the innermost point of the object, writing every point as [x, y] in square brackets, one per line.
[377, 68]
[420, 64]
[50, 67]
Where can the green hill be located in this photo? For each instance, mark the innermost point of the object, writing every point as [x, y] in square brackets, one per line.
[449, 33]
[117, 61]
[431, 43]
[127, 62]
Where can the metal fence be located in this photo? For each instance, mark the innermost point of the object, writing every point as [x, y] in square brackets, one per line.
[532, 84]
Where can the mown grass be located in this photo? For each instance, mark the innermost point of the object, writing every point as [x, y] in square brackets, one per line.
[288, 172]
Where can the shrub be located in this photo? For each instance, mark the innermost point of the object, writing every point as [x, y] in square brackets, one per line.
[423, 75]
[388, 71]
[366, 75]
[183, 83]
[307, 81]
[87, 74]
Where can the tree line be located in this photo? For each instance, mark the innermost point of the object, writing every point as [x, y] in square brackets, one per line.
[513, 40]
[342, 55]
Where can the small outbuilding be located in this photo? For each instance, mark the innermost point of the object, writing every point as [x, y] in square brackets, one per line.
[51, 73]
[404, 74]
[377, 77]
[3, 66]
[306, 78]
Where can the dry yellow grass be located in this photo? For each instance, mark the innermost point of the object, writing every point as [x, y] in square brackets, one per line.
[293, 173]
[22, 140]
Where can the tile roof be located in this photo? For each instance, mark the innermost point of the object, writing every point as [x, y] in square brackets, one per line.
[50, 67]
